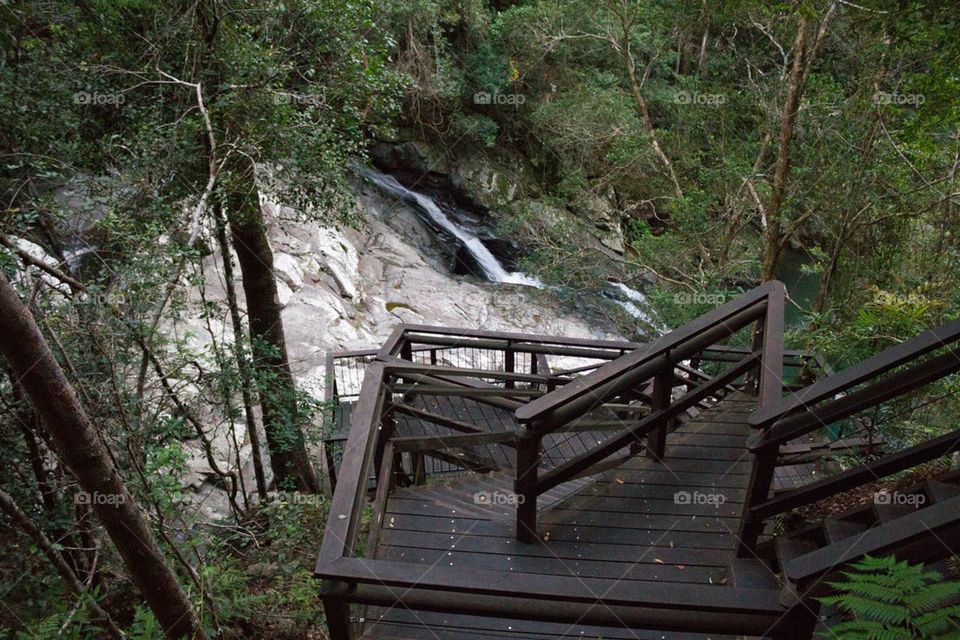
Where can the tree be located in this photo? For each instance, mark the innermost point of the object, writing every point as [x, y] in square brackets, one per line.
[775, 236]
[81, 449]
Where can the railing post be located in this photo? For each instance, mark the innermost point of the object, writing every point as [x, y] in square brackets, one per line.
[761, 479]
[338, 619]
[695, 365]
[419, 468]
[386, 430]
[406, 350]
[525, 486]
[661, 397]
[508, 364]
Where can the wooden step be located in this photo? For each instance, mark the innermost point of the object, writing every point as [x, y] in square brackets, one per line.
[887, 512]
[749, 573]
[837, 529]
[789, 549]
[938, 491]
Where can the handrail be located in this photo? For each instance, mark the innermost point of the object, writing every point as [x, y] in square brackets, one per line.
[670, 342]
[392, 346]
[804, 411]
[855, 477]
[859, 373]
[571, 468]
[343, 524]
[887, 388]
[657, 361]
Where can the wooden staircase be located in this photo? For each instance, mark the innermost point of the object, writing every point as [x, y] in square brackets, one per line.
[918, 523]
[630, 493]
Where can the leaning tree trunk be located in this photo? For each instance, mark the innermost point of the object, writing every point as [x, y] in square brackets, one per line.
[278, 397]
[772, 234]
[78, 445]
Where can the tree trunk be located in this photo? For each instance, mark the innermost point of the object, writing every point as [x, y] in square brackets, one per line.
[278, 397]
[772, 243]
[773, 238]
[243, 366]
[647, 121]
[23, 522]
[79, 446]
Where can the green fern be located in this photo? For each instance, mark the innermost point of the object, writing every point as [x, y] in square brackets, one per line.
[890, 600]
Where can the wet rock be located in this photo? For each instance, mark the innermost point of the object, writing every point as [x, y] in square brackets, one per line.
[410, 156]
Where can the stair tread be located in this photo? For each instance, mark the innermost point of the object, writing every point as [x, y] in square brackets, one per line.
[938, 491]
[837, 529]
[748, 573]
[789, 549]
[888, 512]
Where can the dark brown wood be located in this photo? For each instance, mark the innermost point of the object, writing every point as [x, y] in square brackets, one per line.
[886, 388]
[425, 443]
[885, 466]
[526, 485]
[723, 317]
[343, 524]
[859, 373]
[930, 527]
[644, 426]
[657, 437]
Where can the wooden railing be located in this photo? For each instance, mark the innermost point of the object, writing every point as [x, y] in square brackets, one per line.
[762, 307]
[890, 374]
[547, 401]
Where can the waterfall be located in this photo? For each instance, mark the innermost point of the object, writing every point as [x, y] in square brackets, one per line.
[492, 269]
[635, 301]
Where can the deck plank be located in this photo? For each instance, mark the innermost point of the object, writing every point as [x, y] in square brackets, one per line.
[645, 522]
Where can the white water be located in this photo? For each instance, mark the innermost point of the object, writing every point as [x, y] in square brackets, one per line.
[492, 269]
[635, 302]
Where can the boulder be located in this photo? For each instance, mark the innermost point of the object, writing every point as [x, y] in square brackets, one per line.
[487, 183]
[288, 269]
[411, 156]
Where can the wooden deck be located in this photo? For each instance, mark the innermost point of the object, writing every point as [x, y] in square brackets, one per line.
[645, 522]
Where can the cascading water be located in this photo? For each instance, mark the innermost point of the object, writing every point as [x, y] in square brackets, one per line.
[492, 269]
[634, 302]
[630, 300]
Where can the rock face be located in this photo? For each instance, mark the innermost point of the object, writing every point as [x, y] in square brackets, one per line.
[501, 181]
[344, 289]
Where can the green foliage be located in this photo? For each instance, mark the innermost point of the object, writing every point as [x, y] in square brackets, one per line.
[892, 600]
